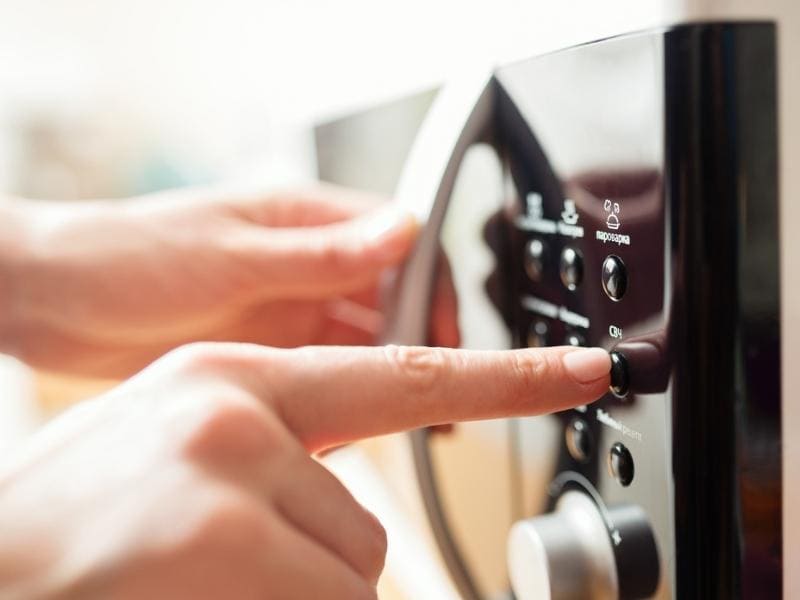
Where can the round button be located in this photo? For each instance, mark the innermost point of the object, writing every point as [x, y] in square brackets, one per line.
[615, 277]
[538, 334]
[534, 260]
[620, 375]
[573, 338]
[571, 267]
[580, 441]
[620, 464]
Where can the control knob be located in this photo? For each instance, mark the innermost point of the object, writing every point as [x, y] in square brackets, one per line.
[572, 553]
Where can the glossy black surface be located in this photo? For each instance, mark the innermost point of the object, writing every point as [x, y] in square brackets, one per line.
[606, 157]
[721, 166]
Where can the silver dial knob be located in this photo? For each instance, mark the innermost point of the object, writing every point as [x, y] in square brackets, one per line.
[563, 555]
[571, 554]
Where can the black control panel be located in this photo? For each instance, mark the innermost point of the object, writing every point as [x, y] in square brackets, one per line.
[644, 220]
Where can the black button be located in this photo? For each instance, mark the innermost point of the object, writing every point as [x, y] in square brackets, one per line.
[580, 441]
[573, 338]
[534, 260]
[615, 277]
[620, 464]
[620, 376]
[571, 267]
[538, 334]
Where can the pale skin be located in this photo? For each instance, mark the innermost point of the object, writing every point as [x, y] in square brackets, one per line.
[195, 478]
[105, 288]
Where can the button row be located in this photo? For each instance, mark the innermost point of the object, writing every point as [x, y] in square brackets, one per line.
[570, 266]
[570, 263]
[580, 444]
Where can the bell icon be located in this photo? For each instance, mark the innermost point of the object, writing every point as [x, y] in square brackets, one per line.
[612, 221]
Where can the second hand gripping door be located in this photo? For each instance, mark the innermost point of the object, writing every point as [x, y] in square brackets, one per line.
[635, 209]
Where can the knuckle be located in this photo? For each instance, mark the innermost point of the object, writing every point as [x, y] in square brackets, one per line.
[194, 357]
[418, 367]
[229, 429]
[529, 369]
[240, 365]
[223, 359]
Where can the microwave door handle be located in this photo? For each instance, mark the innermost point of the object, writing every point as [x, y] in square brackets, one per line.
[459, 117]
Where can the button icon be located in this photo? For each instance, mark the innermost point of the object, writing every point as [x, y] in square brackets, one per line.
[533, 206]
[612, 208]
[569, 215]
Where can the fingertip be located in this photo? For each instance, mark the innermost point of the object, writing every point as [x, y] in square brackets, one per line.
[390, 233]
[587, 365]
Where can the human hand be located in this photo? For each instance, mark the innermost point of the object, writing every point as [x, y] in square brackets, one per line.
[104, 288]
[193, 479]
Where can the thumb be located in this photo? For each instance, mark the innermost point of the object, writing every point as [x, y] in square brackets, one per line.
[336, 258]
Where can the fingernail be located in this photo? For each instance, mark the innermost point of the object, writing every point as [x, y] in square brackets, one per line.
[391, 230]
[587, 364]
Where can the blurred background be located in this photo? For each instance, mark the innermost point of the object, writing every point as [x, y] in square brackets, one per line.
[114, 98]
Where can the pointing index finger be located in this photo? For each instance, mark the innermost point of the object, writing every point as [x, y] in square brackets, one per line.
[333, 395]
